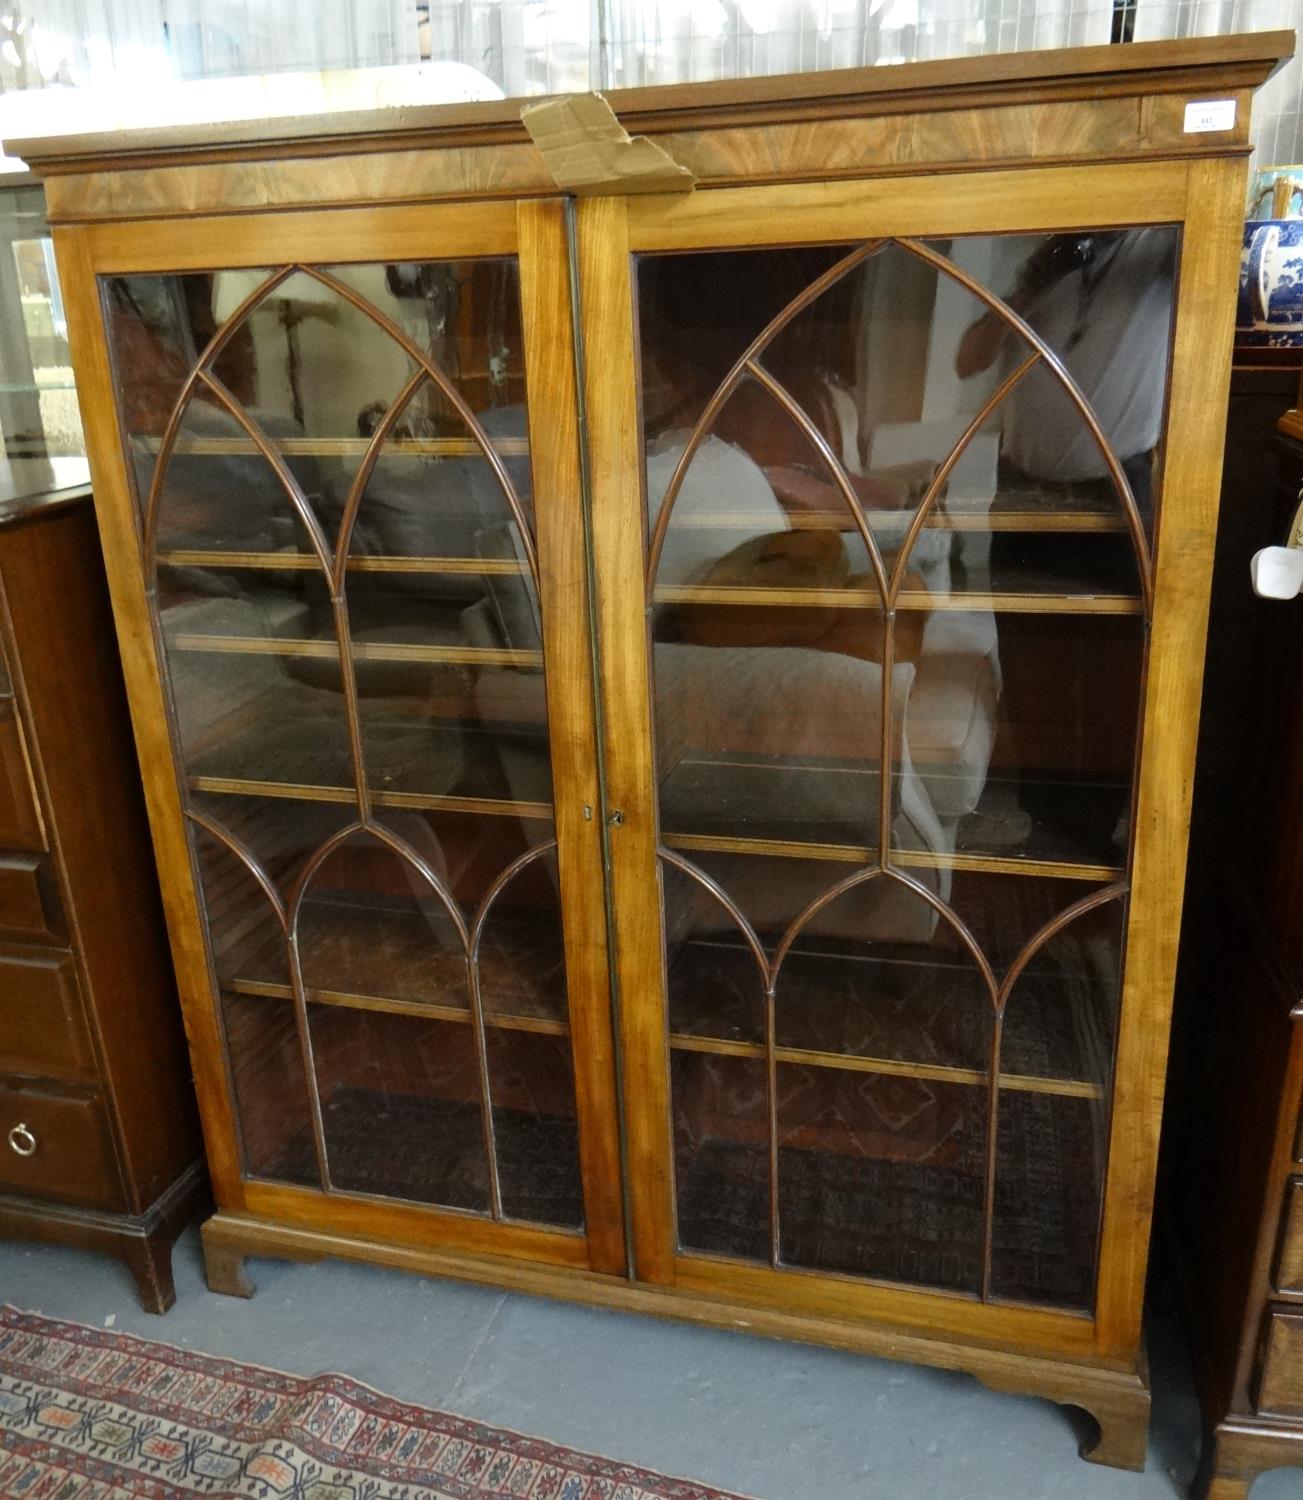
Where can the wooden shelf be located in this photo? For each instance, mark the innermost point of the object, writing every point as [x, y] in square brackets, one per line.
[826, 991]
[907, 599]
[325, 447]
[251, 645]
[905, 859]
[540, 1025]
[903, 1010]
[1066, 1087]
[887, 521]
[305, 562]
[683, 1042]
[419, 953]
[446, 763]
[416, 801]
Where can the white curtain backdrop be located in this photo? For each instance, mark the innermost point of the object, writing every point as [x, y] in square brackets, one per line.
[550, 46]
[1278, 105]
[45, 42]
[542, 46]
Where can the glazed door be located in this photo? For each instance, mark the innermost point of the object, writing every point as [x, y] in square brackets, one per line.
[904, 524]
[349, 522]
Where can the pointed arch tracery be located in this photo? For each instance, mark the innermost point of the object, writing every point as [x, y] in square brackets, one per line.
[749, 366]
[331, 561]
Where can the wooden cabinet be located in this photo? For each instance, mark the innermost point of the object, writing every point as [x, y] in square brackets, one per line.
[100, 1143]
[1232, 1181]
[663, 713]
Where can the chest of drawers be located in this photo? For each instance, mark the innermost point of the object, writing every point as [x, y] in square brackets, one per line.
[98, 1141]
[1233, 1170]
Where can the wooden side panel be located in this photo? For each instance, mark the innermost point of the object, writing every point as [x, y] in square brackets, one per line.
[618, 540]
[572, 713]
[1200, 379]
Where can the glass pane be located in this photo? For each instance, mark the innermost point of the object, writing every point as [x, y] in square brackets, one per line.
[1021, 734]
[715, 987]
[522, 965]
[884, 979]
[400, 1105]
[881, 1176]
[721, 1154]
[1057, 1069]
[39, 419]
[271, 1098]
[280, 834]
[332, 467]
[769, 721]
[535, 1131]
[941, 457]
[371, 925]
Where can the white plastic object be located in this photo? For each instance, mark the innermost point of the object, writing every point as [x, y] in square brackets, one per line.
[1277, 572]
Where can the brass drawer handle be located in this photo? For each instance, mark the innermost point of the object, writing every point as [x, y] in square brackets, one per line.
[22, 1141]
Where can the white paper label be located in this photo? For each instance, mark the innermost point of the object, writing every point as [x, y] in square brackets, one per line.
[1209, 114]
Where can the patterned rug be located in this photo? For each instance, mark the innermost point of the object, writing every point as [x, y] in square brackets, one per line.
[88, 1414]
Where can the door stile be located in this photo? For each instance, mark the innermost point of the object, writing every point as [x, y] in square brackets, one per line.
[615, 458]
[142, 670]
[1187, 524]
[572, 713]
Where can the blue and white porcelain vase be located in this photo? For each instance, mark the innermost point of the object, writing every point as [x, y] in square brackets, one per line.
[1270, 310]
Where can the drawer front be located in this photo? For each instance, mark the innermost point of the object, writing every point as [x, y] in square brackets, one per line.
[29, 901]
[55, 1144]
[20, 818]
[1289, 1253]
[42, 1023]
[1280, 1384]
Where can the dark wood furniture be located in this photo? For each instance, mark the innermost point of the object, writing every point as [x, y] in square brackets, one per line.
[640, 724]
[1233, 1145]
[100, 1145]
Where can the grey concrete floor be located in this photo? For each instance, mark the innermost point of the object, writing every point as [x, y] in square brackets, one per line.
[772, 1420]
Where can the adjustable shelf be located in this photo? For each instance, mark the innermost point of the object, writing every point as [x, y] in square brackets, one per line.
[834, 1003]
[907, 599]
[422, 950]
[906, 859]
[849, 1063]
[885, 522]
[521, 1019]
[496, 807]
[305, 562]
[312, 757]
[328, 447]
[350, 1000]
[257, 645]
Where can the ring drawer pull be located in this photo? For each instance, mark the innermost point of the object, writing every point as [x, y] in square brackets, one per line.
[22, 1140]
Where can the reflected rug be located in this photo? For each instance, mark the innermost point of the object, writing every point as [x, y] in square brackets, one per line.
[91, 1414]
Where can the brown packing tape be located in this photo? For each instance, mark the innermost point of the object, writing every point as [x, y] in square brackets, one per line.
[587, 150]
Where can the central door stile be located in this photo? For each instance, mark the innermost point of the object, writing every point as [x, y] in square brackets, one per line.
[554, 438]
[619, 544]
